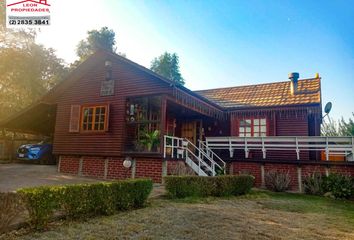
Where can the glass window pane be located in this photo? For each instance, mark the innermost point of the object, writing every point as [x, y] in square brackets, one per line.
[248, 134]
[242, 123]
[248, 129]
[263, 134]
[256, 134]
[263, 121]
[263, 129]
[241, 134]
[242, 129]
[256, 121]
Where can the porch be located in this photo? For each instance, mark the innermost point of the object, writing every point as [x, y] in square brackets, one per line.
[150, 118]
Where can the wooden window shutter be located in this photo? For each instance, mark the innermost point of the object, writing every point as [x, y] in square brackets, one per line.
[107, 118]
[75, 118]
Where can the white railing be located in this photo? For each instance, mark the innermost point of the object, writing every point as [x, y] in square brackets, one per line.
[342, 146]
[202, 160]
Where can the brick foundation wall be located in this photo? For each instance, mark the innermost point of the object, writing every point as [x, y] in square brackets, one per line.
[253, 169]
[149, 168]
[69, 164]
[295, 170]
[116, 170]
[93, 167]
[110, 168]
[292, 169]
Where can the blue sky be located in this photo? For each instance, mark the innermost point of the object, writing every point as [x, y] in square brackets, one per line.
[224, 43]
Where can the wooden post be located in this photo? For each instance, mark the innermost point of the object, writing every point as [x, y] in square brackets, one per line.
[163, 120]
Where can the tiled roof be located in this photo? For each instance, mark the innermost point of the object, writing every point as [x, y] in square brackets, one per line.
[265, 95]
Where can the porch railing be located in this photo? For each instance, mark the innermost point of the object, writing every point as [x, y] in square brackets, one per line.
[338, 146]
[201, 159]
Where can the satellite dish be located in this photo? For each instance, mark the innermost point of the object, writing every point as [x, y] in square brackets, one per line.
[328, 107]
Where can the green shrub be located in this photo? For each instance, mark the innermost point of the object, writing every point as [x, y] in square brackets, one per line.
[82, 200]
[339, 186]
[196, 186]
[314, 183]
[277, 181]
[11, 206]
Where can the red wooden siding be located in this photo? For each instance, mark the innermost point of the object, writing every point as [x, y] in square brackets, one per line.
[129, 81]
[276, 126]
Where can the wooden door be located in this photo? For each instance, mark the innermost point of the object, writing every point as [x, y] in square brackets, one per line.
[189, 130]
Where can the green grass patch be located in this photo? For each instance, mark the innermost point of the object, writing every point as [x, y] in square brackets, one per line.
[301, 203]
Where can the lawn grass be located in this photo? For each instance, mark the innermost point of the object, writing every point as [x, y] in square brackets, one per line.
[258, 215]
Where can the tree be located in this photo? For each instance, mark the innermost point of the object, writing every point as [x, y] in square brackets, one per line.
[329, 128]
[167, 65]
[347, 128]
[338, 128]
[27, 70]
[96, 39]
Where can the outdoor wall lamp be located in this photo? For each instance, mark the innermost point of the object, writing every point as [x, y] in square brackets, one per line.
[127, 163]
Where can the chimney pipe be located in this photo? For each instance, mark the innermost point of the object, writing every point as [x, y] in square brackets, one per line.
[294, 77]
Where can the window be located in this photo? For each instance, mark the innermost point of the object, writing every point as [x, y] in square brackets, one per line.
[94, 118]
[143, 118]
[255, 127]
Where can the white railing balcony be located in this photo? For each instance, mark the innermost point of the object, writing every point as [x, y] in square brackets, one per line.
[331, 146]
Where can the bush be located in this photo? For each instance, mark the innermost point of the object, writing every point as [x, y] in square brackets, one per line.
[11, 206]
[40, 203]
[339, 186]
[277, 181]
[196, 186]
[81, 200]
[314, 183]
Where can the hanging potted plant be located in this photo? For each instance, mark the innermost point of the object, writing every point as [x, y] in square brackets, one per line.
[151, 140]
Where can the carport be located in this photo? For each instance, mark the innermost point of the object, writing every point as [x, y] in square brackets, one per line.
[28, 126]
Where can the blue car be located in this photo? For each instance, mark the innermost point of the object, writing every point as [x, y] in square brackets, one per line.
[40, 152]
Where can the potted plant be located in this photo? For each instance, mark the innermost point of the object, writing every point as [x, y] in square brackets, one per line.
[151, 140]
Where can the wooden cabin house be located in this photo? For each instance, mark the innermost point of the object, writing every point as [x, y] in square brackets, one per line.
[111, 109]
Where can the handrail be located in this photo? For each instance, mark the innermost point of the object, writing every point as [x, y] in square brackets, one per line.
[213, 154]
[199, 159]
[331, 145]
[179, 144]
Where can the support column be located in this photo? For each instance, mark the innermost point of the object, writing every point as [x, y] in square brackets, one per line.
[262, 176]
[59, 162]
[164, 169]
[81, 161]
[299, 178]
[133, 168]
[327, 171]
[106, 168]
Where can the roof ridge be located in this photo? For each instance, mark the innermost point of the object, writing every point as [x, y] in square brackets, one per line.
[250, 85]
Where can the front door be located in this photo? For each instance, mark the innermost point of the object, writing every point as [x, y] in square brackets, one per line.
[190, 131]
